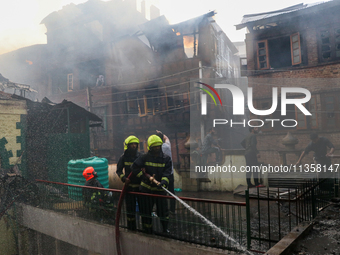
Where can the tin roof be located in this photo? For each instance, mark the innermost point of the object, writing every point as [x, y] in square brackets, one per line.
[263, 18]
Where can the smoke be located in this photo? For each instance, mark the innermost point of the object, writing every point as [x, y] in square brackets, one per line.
[16, 38]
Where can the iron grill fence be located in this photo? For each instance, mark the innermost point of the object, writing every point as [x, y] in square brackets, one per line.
[274, 212]
[230, 217]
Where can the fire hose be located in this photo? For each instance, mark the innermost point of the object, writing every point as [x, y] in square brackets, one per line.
[119, 207]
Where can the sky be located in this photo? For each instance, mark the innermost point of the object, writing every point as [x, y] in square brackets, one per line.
[20, 19]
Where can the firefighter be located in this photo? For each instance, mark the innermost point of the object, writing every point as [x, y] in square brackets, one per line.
[125, 161]
[154, 164]
[93, 198]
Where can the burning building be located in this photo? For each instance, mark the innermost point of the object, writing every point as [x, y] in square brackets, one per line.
[297, 46]
[133, 73]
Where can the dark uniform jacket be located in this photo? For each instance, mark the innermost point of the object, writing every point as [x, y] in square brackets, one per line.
[160, 166]
[125, 162]
[319, 148]
[91, 194]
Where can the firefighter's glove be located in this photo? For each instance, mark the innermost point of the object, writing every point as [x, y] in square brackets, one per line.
[163, 183]
[123, 179]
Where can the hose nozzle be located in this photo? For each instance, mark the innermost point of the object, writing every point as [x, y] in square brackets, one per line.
[152, 179]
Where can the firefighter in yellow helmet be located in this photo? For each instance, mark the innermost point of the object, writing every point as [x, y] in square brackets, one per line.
[159, 165]
[125, 161]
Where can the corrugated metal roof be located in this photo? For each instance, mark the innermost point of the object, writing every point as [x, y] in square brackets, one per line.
[262, 16]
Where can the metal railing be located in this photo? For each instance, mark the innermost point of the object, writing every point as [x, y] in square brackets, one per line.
[183, 225]
[274, 212]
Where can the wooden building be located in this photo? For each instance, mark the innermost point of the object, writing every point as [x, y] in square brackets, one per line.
[133, 73]
[298, 46]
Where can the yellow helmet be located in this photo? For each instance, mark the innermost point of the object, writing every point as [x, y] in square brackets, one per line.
[130, 139]
[154, 140]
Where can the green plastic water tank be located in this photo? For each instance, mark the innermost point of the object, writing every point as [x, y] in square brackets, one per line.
[75, 176]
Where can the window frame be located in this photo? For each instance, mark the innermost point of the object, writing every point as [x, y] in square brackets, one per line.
[292, 49]
[132, 97]
[332, 43]
[142, 106]
[70, 82]
[258, 55]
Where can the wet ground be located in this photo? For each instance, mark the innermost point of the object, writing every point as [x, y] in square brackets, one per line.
[325, 236]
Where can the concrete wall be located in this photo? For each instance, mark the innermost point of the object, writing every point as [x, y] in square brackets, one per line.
[100, 238]
[7, 241]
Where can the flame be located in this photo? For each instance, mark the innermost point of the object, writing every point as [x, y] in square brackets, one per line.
[188, 41]
[178, 33]
[29, 62]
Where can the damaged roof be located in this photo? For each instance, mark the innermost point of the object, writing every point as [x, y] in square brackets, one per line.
[77, 111]
[6, 83]
[286, 13]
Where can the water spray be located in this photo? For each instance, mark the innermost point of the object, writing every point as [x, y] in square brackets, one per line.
[208, 222]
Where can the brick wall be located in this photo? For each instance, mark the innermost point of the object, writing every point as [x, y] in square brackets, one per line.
[317, 77]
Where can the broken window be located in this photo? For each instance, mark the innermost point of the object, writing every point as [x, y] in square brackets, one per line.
[152, 101]
[170, 103]
[174, 101]
[102, 113]
[329, 44]
[190, 43]
[279, 52]
[142, 106]
[132, 103]
[262, 55]
[70, 82]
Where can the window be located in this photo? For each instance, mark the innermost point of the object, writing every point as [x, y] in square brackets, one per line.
[152, 101]
[262, 55]
[279, 52]
[190, 37]
[307, 122]
[295, 48]
[102, 113]
[132, 103]
[147, 103]
[243, 64]
[174, 102]
[329, 44]
[190, 45]
[142, 106]
[70, 82]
